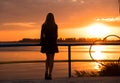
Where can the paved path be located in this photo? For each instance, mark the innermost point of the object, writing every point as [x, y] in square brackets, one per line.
[69, 80]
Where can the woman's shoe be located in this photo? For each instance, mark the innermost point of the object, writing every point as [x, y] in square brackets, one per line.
[49, 77]
[46, 76]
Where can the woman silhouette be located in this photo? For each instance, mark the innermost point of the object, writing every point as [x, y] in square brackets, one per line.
[49, 46]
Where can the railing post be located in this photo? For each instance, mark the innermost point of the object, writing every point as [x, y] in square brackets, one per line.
[69, 61]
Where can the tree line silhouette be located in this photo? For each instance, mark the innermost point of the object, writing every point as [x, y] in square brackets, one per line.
[63, 40]
[30, 40]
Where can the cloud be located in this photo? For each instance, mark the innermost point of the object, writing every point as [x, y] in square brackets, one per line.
[116, 19]
[20, 24]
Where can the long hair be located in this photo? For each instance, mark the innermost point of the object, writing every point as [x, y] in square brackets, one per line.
[50, 19]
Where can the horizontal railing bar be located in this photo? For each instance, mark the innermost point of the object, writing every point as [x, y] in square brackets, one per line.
[42, 61]
[59, 44]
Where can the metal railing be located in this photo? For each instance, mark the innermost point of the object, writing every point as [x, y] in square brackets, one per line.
[69, 45]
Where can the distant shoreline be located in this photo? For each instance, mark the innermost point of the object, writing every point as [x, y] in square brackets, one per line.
[59, 44]
[60, 40]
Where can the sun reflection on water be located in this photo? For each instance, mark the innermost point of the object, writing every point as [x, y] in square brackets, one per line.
[97, 52]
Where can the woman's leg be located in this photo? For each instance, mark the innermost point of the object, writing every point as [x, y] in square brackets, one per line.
[51, 64]
[46, 66]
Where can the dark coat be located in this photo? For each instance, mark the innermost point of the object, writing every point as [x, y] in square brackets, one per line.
[49, 38]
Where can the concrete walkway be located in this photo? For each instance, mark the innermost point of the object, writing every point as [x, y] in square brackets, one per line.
[69, 80]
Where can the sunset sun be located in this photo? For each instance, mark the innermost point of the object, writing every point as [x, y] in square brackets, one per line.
[98, 30]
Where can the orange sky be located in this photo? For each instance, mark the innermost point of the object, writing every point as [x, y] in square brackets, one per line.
[23, 18]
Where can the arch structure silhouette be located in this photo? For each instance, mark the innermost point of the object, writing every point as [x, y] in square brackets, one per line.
[96, 43]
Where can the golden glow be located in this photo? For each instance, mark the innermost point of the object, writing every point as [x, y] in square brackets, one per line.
[94, 30]
[70, 33]
[18, 35]
[98, 30]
